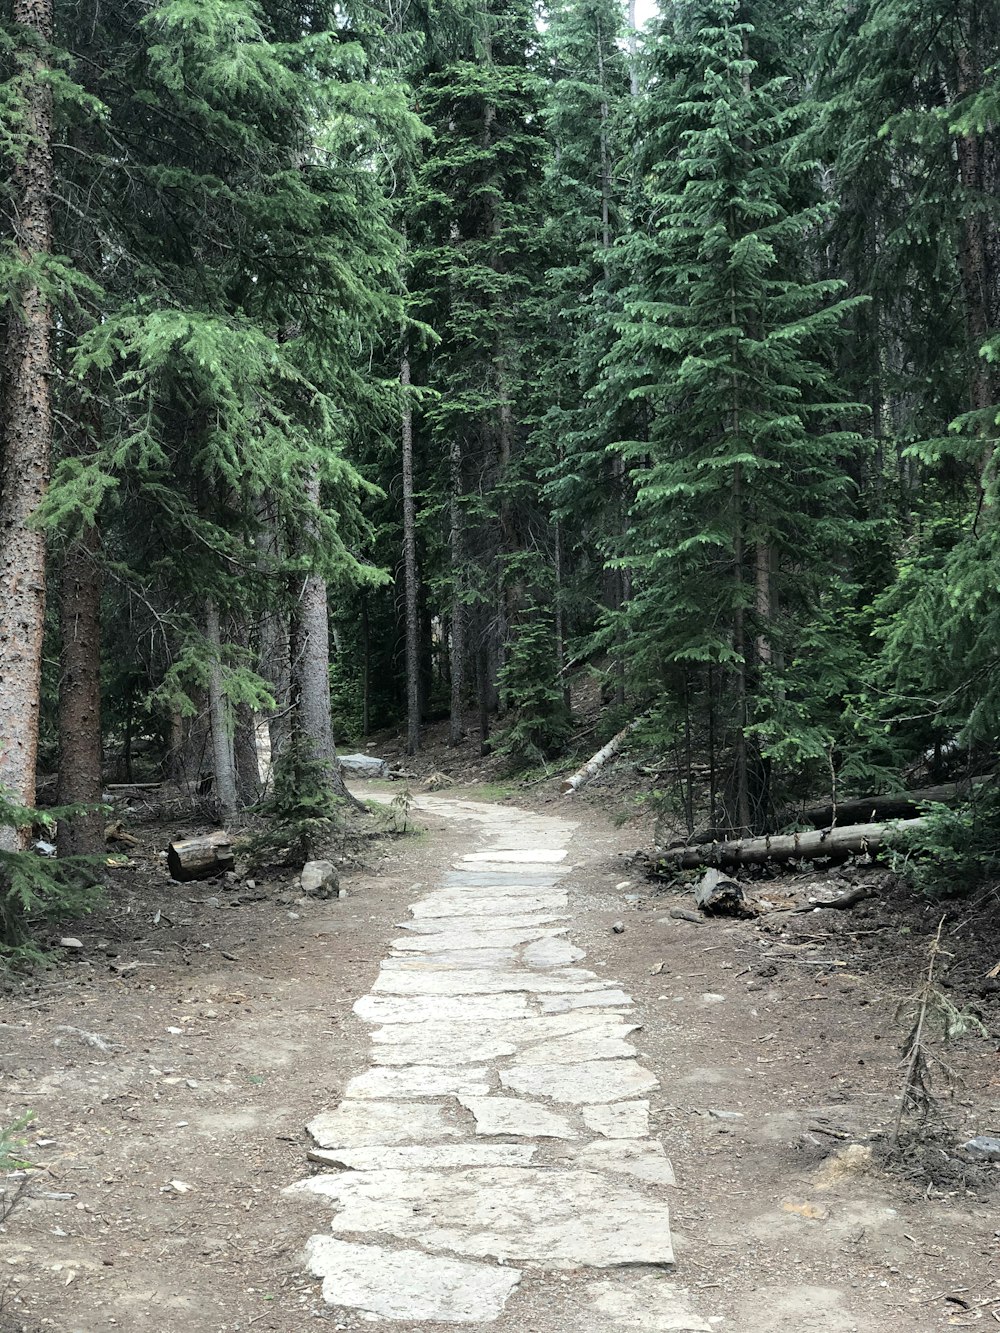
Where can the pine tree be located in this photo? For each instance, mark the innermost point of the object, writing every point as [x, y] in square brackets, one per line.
[471, 223]
[740, 495]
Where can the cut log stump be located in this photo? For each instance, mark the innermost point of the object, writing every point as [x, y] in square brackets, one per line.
[718, 895]
[200, 858]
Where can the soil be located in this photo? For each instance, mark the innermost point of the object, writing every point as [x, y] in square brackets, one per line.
[173, 1060]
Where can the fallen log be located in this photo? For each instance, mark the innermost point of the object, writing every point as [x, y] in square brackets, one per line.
[833, 844]
[200, 858]
[897, 805]
[593, 766]
[718, 895]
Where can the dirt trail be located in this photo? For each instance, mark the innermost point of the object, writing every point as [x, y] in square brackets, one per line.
[172, 1097]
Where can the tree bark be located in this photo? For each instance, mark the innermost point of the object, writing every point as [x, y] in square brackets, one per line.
[275, 660]
[247, 763]
[837, 845]
[410, 568]
[311, 657]
[26, 439]
[80, 698]
[222, 740]
[458, 612]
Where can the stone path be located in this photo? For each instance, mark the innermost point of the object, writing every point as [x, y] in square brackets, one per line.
[503, 1120]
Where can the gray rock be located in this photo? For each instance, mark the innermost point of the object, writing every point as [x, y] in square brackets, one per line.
[619, 927]
[511, 1213]
[407, 1285]
[320, 879]
[985, 1147]
[365, 1124]
[363, 766]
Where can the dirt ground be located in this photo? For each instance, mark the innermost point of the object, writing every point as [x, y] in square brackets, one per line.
[173, 1061]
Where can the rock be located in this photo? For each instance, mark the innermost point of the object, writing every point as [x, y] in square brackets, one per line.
[405, 1081]
[618, 1120]
[365, 1124]
[582, 1219]
[319, 879]
[682, 914]
[644, 1159]
[424, 1156]
[580, 1084]
[363, 766]
[510, 1115]
[70, 942]
[984, 1147]
[619, 927]
[409, 1285]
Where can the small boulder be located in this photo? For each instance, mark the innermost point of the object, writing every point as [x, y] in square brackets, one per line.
[984, 1147]
[320, 879]
[363, 766]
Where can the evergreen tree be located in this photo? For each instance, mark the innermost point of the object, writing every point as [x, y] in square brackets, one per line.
[741, 501]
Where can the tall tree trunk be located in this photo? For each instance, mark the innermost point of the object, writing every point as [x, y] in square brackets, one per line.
[275, 659]
[80, 697]
[26, 439]
[410, 568]
[222, 741]
[458, 610]
[248, 785]
[366, 666]
[633, 52]
[311, 657]
[762, 601]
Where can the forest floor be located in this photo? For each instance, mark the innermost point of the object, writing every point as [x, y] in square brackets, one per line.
[174, 1059]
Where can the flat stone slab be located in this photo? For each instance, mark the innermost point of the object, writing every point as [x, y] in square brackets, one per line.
[603, 999]
[409, 978]
[509, 1213]
[549, 1027]
[484, 924]
[642, 1159]
[408, 1285]
[551, 952]
[618, 1120]
[457, 958]
[516, 855]
[419, 1081]
[552, 1040]
[437, 940]
[520, 881]
[579, 1048]
[432, 906]
[510, 1115]
[424, 1008]
[423, 1047]
[650, 1304]
[425, 1157]
[360, 1124]
[580, 1084]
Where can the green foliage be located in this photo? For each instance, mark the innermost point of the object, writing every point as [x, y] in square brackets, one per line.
[299, 814]
[12, 1144]
[541, 723]
[956, 851]
[36, 890]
